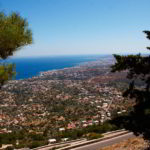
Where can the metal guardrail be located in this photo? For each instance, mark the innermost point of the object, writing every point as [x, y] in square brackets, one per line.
[88, 142]
[57, 144]
[110, 132]
[94, 141]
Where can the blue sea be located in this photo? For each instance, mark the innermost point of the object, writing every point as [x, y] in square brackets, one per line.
[29, 67]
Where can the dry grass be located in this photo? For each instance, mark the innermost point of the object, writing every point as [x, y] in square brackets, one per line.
[130, 144]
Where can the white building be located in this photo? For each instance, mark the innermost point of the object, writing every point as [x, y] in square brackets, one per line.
[61, 129]
[52, 140]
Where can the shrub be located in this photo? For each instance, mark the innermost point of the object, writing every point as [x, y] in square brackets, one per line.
[91, 136]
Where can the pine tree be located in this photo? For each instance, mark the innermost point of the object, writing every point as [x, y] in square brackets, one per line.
[14, 34]
[138, 69]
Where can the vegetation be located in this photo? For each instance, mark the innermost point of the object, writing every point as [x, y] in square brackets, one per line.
[92, 136]
[6, 72]
[138, 68]
[24, 138]
[91, 132]
[14, 34]
[33, 140]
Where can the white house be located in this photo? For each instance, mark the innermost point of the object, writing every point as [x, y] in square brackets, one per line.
[52, 140]
[61, 129]
[64, 139]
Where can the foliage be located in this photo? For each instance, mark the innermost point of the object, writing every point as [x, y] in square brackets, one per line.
[92, 136]
[6, 73]
[34, 139]
[14, 34]
[25, 139]
[35, 144]
[97, 129]
[9, 148]
[138, 68]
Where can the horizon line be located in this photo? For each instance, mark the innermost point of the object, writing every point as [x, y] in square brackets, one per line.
[67, 55]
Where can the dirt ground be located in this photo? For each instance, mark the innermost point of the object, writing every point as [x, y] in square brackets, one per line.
[130, 144]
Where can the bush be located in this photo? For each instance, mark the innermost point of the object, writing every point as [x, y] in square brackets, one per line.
[36, 137]
[35, 144]
[9, 148]
[92, 136]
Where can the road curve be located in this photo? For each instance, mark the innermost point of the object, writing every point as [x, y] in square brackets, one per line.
[101, 144]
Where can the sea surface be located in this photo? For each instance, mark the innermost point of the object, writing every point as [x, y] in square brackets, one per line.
[29, 67]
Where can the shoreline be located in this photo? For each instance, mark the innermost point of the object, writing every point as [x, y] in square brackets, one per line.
[78, 66]
[75, 66]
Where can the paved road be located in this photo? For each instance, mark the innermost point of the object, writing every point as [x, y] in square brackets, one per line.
[97, 146]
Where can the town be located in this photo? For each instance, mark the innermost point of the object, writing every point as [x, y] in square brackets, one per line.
[60, 100]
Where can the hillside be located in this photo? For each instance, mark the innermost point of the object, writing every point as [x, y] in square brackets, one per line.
[69, 98]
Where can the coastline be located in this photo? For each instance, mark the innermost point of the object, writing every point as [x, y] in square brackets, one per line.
[28, 68]
[78, 66]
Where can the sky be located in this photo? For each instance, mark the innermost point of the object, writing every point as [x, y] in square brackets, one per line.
[78, 27]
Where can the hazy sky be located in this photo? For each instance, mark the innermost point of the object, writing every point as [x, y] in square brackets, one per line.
[66, 27]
